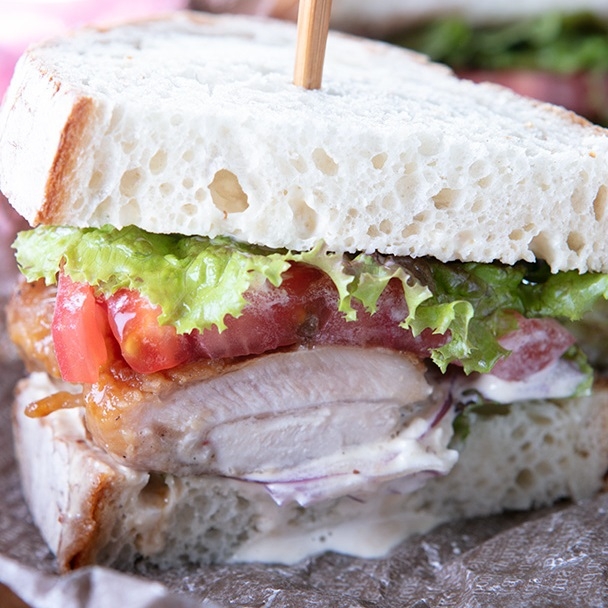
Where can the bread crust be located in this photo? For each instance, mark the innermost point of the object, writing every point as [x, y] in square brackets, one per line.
[70, 488]
[65, 162]
[78, 548]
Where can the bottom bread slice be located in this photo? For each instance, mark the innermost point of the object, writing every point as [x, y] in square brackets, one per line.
[92, 510]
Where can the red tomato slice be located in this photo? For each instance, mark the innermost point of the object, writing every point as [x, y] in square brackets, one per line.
[380, 328]
[304, 310]
[534, 345]
[274, 317]
[79, 330]
[145, 345]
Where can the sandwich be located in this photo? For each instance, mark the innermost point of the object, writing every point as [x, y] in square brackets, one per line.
[262, 322]
[555, 51]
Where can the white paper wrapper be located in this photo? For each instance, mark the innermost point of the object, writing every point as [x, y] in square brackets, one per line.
[88, 587]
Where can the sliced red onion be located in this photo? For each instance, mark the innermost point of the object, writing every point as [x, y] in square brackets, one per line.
[418, 452]
[557, 380]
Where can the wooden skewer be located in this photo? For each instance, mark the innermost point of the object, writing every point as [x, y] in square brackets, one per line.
[313, 25]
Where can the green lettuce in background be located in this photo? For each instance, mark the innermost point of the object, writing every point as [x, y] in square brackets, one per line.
[556, 42]
[198, 281]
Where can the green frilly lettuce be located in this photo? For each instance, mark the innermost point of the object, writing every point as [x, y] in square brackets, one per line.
[198, 281]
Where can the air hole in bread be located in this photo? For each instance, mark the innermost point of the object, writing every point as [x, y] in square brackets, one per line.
[599, 204]
[372, 208]
[227, 194]
[104, 208]
[485, 182]
[379, 160]
[479, 170]
[576, 242]
[541, 420]
[166, 189]
[128, 146]
[95, 181]
[389, 203]
[299, 164]
[525, 479]
[411, 230]
[304, 216]
[477, 205]
[130, 213]
[129, 182]
[78, 202]
[189, 210]
[386, 226]
[466, 239]
[445, 198]
[373, 231]
[158, 162]
[155, 492]
[324, 162]
[517, 235]
[540, 246]
[519, 432]
[430, 144]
